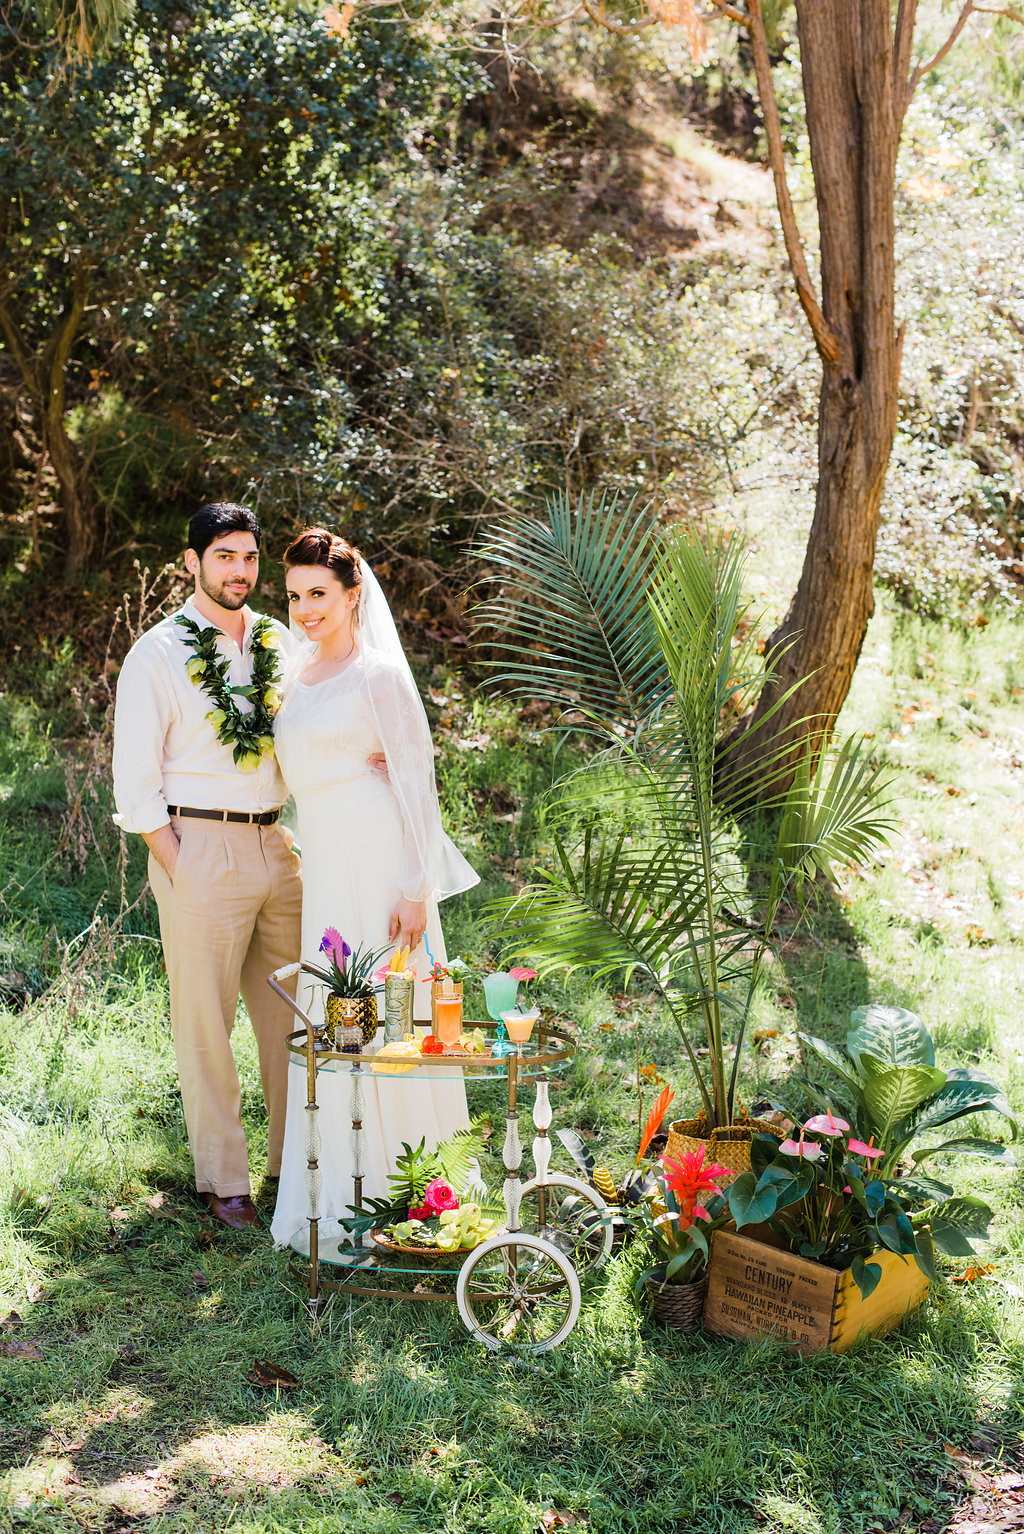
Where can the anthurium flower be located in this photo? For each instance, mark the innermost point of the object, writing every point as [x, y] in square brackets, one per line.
[858, 1148]
[522, 974]
[439, 1195]
[333, 944]
[806, 1148]
[826, 1124]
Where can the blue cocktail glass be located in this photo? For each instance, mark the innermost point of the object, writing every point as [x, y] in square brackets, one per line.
[500, 992]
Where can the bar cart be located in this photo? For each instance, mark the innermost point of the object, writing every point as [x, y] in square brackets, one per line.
[518, 1291]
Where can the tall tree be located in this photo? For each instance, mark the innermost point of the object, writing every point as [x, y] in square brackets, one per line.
[859, 76]
[858, 80]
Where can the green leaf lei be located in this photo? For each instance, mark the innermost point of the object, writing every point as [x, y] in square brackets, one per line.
[249, 735]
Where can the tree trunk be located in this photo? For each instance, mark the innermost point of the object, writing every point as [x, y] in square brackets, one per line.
[79, 513]
[45, 381]
[853, 118]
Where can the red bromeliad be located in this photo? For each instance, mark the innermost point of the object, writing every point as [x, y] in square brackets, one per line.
[688, 1179]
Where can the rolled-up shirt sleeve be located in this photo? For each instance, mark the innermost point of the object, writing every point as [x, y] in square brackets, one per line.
[142, 717]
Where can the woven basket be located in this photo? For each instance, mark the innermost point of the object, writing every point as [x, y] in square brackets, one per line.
[679, 1306]
[427, 1255]
[357, 1011]
[730, 1147]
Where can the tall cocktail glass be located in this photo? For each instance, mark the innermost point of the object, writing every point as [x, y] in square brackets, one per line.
[500, 994]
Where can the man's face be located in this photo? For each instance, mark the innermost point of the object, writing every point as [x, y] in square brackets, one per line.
[228, 570]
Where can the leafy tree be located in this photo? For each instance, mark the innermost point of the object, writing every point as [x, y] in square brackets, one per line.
[191, 213]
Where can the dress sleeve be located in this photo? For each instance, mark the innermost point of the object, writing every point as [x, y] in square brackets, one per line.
[142, 717]
[432, 865]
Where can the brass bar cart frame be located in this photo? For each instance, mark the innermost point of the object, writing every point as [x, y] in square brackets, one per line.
[523, 1280]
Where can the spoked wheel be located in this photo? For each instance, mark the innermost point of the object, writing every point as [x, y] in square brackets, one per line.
[571, 1216]
[518, 1292]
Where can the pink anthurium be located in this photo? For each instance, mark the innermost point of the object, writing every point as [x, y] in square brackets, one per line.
[826, 1124]
[801, 1147]
[858, 1148]
[522, 974]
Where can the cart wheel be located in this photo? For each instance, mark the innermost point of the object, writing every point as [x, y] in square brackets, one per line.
[575, 1219]
[518, 1292]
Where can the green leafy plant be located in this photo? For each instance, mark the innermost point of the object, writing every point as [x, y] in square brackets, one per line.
[895, 1094]
[819, 1194]
[644, 642]
[452, 1161]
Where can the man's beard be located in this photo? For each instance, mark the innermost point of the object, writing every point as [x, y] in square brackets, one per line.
[231, 600]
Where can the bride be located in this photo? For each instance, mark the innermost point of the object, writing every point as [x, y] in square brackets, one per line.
[375, 860]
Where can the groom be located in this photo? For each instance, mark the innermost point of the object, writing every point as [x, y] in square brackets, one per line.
[195, 776]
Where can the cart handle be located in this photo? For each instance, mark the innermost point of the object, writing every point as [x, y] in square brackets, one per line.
[285, 973]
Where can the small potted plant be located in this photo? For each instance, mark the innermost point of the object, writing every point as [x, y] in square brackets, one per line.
[352, 994]
[678, 1224]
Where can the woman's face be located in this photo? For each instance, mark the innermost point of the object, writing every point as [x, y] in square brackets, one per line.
[319, 603]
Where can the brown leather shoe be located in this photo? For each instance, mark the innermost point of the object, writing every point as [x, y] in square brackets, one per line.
[238, 1212]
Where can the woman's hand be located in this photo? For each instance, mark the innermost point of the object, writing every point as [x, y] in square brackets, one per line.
[409, 919]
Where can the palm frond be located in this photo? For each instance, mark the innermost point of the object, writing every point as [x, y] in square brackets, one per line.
[573, 620]
[834, 812]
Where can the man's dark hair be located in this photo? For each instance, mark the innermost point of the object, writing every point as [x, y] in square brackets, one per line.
[216, 518]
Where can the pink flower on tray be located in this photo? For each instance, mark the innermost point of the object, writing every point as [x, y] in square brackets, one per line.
[826, 1124]
[806, 1148]
[858, 1148]
[333, 944]
[522, 974]
[439, 1195]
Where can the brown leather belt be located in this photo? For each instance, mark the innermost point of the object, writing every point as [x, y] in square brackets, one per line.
[236, 817]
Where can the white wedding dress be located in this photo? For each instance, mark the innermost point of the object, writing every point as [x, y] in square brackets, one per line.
[366, 839]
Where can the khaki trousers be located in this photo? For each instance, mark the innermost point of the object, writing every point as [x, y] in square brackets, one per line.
[232, 914]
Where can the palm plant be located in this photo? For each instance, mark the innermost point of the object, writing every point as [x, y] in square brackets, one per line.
[637, 633]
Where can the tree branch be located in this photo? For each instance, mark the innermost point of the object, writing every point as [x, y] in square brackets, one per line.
[23, 362]
[937, 58]
[824, 337]
[623, 28]
[903, 42]
[63, 340]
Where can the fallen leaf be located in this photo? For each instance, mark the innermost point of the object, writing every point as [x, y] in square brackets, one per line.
[972, 1274]
[555, 1518]
[27, 1350]
[271, 1376]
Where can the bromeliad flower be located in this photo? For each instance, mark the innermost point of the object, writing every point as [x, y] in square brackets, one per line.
[688, 1178]
[333, 944]
[806, 1148]
[858, 1148]
[826, 1124]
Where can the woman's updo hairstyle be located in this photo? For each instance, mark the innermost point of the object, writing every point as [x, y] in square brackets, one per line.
[316, 546]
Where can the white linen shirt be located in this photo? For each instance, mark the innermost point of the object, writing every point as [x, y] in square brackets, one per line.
[165, 749]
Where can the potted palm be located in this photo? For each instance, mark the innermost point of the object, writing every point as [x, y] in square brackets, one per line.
[637, 636]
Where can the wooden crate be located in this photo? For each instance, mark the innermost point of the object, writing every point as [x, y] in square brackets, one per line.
[754, 1290]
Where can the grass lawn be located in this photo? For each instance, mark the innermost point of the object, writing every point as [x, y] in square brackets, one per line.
[125, 1397]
